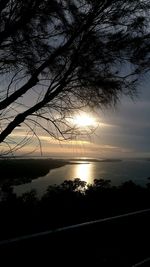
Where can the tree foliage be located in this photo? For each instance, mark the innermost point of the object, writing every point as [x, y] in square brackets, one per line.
[58, 56]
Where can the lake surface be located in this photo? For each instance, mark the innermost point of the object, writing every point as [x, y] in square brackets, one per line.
[118, 172]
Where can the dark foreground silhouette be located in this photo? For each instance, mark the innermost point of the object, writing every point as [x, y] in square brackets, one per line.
[116, 243]
[68, 203]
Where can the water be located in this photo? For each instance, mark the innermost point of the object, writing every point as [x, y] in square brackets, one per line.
[118, 172]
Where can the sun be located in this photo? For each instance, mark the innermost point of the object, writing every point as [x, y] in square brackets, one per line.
[84, 120]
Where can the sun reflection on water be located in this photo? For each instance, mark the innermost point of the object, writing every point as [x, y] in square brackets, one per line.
[83, 171]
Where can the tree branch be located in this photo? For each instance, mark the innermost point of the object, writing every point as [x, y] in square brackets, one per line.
[22, 116]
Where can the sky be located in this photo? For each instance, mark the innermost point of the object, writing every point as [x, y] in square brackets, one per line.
[122, 132]
[129, 130]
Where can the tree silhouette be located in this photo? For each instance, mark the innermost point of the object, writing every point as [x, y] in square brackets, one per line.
[60, 56]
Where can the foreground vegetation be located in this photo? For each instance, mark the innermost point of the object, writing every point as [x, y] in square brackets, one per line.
[69, 203]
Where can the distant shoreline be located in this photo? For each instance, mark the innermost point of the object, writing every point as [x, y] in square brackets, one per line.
[96, 160]
[17, 171]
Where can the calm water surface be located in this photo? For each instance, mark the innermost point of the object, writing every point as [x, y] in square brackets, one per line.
[117, 172]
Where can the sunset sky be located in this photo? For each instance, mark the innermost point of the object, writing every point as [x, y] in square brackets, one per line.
[122, 132]
[85, 56]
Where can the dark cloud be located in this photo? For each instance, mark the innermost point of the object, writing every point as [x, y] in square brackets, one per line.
[129, 123]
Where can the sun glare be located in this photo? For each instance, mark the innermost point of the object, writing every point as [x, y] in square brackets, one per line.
[84, 120]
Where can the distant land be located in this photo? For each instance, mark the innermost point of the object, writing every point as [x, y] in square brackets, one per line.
[15, 171]
[95, 160]
[18, 171]
[24, 170]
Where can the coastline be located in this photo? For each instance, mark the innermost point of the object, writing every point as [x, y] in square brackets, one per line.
[18, 171]
[15, 171]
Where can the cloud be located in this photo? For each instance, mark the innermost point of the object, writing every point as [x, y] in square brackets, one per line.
[123, 131]
[129, 124]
